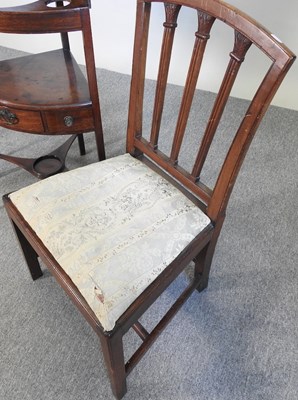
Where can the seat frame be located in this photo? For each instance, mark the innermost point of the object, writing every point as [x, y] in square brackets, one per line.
[212, 202]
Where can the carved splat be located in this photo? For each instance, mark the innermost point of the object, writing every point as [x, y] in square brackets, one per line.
[241, 45]
[170, 25]
[205, 22]
[172, 11]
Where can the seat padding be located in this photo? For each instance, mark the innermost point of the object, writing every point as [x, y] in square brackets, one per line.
[113, 226]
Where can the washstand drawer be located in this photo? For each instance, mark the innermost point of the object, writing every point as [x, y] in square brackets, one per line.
[21, 120]
[69, 120]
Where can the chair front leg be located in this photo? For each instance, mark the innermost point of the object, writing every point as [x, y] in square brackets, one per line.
[30, 254]
[112, 347]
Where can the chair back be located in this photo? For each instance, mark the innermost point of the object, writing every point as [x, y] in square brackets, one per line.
[247, 33]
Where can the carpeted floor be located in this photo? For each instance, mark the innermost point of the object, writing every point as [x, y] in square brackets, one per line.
[238, 340]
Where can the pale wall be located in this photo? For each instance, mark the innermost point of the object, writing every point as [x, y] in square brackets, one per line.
[113, 29]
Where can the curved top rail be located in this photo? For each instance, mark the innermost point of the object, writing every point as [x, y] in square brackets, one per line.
[243, 23]
[41, 17]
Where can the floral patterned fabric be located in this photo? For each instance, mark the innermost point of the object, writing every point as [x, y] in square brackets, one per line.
[113, 226]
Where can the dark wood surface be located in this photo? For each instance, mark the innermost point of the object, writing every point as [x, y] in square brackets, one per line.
[47, 93]
[42, 90]
[43, 81]
[39, 17]
[212, 200]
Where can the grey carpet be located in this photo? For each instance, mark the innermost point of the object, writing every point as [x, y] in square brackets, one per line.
[238, 340]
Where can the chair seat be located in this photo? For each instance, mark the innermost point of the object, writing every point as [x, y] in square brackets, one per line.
[113, 227]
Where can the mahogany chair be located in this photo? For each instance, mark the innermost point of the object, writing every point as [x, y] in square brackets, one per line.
[115, 234]
[47, 93]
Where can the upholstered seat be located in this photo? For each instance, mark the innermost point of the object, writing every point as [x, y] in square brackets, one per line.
[123, 209]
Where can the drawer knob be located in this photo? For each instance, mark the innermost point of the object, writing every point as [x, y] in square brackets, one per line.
[8, 117]
[68, 121]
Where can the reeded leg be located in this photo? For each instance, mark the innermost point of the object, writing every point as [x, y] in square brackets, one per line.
[29, 254]
[112, 348]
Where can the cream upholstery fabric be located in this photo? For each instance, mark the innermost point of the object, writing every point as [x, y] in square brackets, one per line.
[113, 226]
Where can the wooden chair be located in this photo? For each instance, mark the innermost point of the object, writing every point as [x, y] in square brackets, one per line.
[47, 93]
[117, 233]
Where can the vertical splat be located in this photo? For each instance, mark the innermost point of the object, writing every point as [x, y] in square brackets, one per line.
[241, 46]
[172, 12]
[205, 22]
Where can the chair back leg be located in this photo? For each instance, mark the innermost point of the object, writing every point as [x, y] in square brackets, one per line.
[204, 259]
